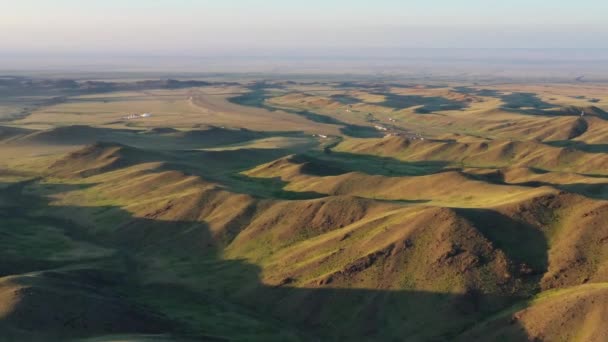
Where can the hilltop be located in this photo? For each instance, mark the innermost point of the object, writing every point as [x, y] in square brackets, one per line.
[296, 210]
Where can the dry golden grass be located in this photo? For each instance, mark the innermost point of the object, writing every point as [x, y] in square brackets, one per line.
[493, 226]
[170, 108]
[575, 314]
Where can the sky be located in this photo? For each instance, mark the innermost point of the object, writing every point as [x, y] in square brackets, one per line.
[306, 28]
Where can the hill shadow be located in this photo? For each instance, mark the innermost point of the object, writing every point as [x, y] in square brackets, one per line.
[520, 100]
[531, 104]
[258, 96]
[591, 190]
[477, 91]
[522, 242]
[525, 103]
[161, 139]
[315, 164]
[579, 145]
[376, 165]
[226, 168]
[169, 276]
[345, 99]
[427, 104]
[269, 188]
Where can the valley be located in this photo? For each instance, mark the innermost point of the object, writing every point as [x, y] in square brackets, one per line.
[275, 209]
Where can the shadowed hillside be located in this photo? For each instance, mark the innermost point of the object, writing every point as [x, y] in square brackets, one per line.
[358, 268]
[304, 210]
[496, 153]
[107, 292]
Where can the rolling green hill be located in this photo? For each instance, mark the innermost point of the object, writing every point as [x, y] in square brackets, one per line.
[472, 214]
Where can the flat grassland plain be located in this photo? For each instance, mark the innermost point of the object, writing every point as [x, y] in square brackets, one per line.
[302, 210]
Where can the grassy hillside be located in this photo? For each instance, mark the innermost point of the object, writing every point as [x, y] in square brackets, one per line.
[268, 211]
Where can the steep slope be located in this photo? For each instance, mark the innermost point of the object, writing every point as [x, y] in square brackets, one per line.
[495, 153]
[275, 226]
[431, 249]
[56, 305]
[574, 314]
[215, 136]
[8, 133]
[389, 276]
[336, 243]
[69, 135]
[97, 158]
[575, 232]
[449, 188]
[587, 111]
[539, 129]
[373, 260]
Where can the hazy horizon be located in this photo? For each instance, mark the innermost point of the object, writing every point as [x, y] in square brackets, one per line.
[237, 26]
[447, 64]
[245, 35]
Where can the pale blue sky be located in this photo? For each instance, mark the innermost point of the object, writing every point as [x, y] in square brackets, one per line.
[207, 27]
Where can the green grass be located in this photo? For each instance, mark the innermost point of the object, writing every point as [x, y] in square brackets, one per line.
[211, 317]
[216, 279]
[424, 104]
